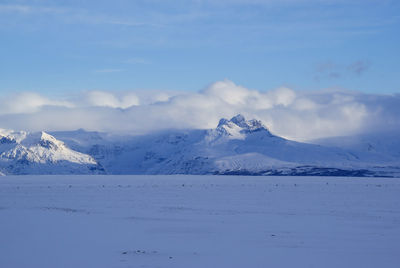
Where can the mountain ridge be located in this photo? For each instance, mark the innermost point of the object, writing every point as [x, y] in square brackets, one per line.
[42, 153]
[235, 146]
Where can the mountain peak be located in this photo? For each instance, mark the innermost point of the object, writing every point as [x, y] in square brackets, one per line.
[11, 135]
[46, 136]
[238, 127]
[241, 122]
[42, 139]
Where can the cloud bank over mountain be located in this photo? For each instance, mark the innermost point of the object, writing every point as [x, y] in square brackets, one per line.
[299, 115]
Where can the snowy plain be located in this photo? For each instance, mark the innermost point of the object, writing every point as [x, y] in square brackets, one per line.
[199, 221]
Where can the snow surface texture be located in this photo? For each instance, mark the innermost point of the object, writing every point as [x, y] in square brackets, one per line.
[237, 147]
[199, 221]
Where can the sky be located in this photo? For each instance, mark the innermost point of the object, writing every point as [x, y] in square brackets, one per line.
[57, 46]
[307, 68]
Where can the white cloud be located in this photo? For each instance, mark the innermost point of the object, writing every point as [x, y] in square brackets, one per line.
[282, 96]
[230, 93]
[28, 102]
[296, 115]
[303, 104]
[107, 99]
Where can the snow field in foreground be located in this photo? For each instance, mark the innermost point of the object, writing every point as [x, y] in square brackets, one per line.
[199, 221]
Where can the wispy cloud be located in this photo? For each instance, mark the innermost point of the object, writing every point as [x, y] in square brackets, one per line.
[359, 67]
[15, 8]
[74, 15]
[29, 9]
[137, 61]
[173, 22]
[333, 70]
[108, 71]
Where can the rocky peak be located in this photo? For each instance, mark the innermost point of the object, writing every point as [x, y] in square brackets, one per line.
[236, 128]
[245, 126]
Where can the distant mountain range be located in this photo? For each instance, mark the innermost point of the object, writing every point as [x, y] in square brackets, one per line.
[235, 146]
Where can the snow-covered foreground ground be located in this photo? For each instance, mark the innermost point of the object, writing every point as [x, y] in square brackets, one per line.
[199, 221]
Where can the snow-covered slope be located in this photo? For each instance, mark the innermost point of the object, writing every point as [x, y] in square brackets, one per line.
[235, 146]
[41, 153]
[378, 147]
[380, 150]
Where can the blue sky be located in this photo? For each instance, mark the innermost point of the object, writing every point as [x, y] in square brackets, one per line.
[58, 47]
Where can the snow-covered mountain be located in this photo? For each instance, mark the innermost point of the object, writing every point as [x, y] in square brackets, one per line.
[235, 146]
[378, 147]
[41, 153]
